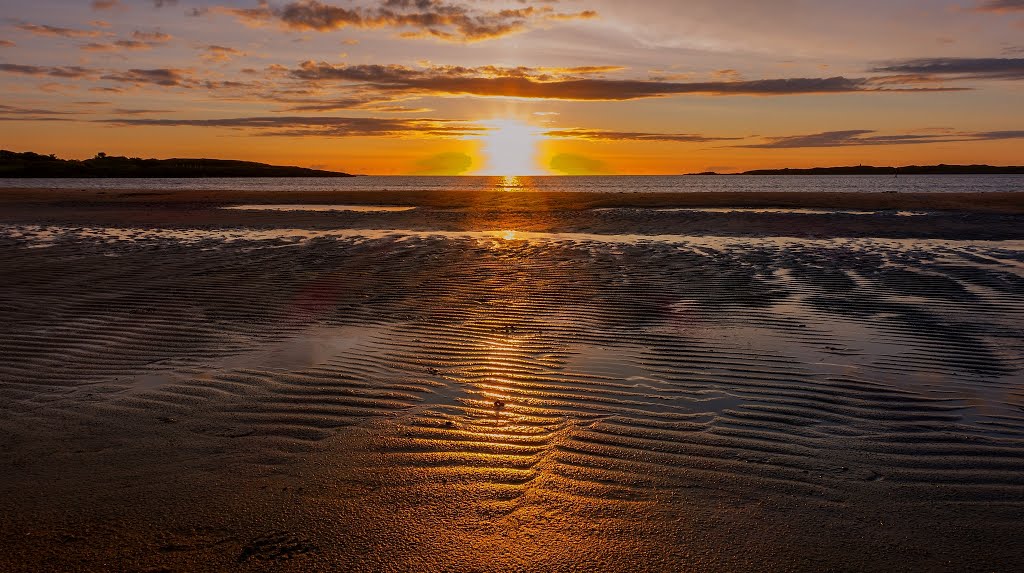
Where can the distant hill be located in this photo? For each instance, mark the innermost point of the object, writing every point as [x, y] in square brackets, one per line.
[35, 165]
[940, 169]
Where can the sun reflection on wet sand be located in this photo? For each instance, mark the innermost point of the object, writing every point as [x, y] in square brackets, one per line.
[319, 208]
[40, 236]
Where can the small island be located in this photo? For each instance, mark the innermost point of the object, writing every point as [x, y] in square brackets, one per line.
[28, 164]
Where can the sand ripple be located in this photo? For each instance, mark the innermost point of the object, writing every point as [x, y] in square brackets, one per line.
[522, 371]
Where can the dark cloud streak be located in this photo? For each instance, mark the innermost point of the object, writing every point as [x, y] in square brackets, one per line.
[51, 71]
[863, 137]
[605, 135]
[14, 110]
[957, 68]
[524, 83]
[299, 126]
[166, 77]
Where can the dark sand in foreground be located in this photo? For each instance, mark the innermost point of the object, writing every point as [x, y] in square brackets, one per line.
[190, 388]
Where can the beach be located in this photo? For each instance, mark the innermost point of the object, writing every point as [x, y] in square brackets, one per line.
[510, 381]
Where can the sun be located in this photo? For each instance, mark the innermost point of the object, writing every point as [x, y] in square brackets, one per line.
[511, 147]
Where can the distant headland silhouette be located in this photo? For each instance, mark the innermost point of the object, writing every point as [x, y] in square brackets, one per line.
[30, 164]
[940, 169]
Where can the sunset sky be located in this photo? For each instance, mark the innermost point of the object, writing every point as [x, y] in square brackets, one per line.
[555, 86]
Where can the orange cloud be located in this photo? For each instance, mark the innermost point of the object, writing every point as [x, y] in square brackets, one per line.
[43, 30]
[215, 53]
[105, 4]
[155, 37]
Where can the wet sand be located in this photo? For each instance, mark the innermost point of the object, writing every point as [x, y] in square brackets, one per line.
[494, 382]
[995, 202]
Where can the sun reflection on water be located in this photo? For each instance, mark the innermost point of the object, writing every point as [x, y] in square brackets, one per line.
[512, 183]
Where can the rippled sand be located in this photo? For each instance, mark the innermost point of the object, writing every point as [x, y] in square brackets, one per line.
[478, 389]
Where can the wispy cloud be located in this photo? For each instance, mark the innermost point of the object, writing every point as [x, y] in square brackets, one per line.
[130, 111]
[1001, 6]
[115, 46]
[455, 22]
[365, 101]
[139, 41]
[44, 30]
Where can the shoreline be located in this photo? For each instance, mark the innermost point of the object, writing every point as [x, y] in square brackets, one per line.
[958, 216]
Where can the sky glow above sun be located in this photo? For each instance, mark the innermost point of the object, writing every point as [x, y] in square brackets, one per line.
[458, 87]
[511, 148]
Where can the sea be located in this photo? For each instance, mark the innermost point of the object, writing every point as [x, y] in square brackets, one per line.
[595, 183]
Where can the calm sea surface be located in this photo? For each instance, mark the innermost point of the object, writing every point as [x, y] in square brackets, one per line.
[608, 184]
